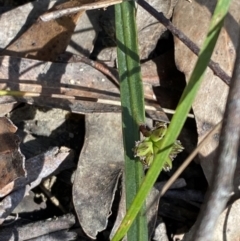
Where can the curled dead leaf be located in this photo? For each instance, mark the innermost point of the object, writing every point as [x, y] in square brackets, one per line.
[99, 168]
[11, 159]
[37, 168]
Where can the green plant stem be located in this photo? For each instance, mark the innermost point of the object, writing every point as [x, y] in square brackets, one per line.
[133, 113]
[179, 117]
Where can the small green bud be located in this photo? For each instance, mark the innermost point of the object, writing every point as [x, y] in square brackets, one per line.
[147, 149]
[148, 160]
[143, 148]
[158, 132]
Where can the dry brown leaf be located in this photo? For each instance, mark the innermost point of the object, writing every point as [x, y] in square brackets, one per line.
[11, 160]
[99, 167]
[37, 168]
[193, 19]
[46, 40]
[82, 39]
[9, 141]
[7, 107]
[24, 17]
[58, 13]
[48, 79]
[149, 28]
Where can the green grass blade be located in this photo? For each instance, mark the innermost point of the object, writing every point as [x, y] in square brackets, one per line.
[133, 113]
[179, 118]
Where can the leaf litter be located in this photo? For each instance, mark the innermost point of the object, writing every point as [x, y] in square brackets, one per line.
[32, 62]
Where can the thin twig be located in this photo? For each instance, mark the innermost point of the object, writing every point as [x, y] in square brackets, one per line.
[54, 200]
[148, 107]
[226, 159]
[217, 70]
[32, 230]
[58, 13]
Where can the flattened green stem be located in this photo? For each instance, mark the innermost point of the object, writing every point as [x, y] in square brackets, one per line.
[133, 113]
[179, 117]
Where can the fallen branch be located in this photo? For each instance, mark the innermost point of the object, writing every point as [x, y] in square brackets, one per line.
[36, 229]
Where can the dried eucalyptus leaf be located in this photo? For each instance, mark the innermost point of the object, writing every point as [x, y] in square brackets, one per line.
[37, 168]
[12, 162]
[99, 168]
[29, 37]
[149, 28]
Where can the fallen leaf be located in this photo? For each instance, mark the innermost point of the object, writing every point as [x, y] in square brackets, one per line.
[100, 165]
[9, 141]
[28, 205]
[99, 168]
[59, 12]
[37, 168]
[25, 16]
[7, 107]
[162, 71]
[85, 33]
[149, 28]
[11, 159]
[193, 19]
[46, 40]
[69, 81]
